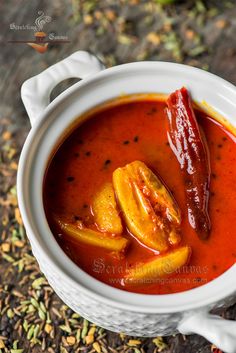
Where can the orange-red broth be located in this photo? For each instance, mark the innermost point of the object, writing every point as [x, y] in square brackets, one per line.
[118, 135]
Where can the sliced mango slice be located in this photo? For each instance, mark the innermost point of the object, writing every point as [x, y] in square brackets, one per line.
[159, 266]
[155, 190]
[76, 232]
[150, 211]
[105, 211]
[138, 213]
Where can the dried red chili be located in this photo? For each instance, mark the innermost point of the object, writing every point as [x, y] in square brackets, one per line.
[190, 149]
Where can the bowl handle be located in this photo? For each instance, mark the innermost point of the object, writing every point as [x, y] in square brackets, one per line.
[35, 92]
[220, 332]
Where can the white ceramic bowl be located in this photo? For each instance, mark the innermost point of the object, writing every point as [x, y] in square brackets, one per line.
[114, 309]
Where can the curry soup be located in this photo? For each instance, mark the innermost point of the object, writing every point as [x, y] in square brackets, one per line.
[113, 138]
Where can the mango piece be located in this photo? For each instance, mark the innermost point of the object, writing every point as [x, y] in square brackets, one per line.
[76, 232]
[105, 211]
[149, 210]
[159, 266]
[155, 190]
[138, 212]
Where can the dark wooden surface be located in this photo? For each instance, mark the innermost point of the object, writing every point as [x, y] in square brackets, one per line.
[197, 33]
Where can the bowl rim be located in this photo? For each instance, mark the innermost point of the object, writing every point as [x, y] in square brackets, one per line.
[219, 288]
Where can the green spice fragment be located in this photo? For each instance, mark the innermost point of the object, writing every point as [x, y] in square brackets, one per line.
[65, 328]
[41, 314]
[85, 328]
[37, 283]
[34, 302]
[30, 332]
